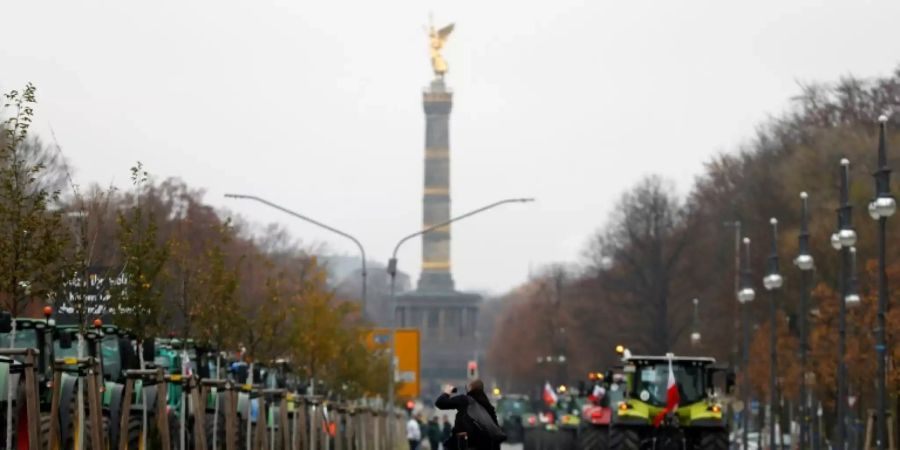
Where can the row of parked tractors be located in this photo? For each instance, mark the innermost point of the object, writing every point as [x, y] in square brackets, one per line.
[99, 390]
[628, 408]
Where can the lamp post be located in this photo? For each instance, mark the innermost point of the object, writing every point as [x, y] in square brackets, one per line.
[392, 272]
[804, 261]
[737, 286]
[843, 239]
[882, 207]
[695, 334]
[773, 282]
[744, 296]
[362, 251]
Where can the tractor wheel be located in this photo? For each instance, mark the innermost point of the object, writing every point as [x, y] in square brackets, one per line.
[622, 438]
[529, 439]
[714, 440]
[239, 435]
[45, 432]
[565, 439]
[68, 437]
[154, 440]
[219, 424]
[593, 437]
[104, 431]
[135, 435]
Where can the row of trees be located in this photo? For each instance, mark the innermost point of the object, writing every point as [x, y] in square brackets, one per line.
[658, 251]
[155, 259]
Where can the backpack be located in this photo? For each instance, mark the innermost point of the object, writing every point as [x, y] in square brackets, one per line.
[484, 423]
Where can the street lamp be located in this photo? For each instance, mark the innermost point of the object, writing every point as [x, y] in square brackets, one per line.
[745, 295]
[392, 271]
[804, 261]
[772, 282]
[852, 298]
[695, 334]
[362, 251]
[843, 239]
[882, 207]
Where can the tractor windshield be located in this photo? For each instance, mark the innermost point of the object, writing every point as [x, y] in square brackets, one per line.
[653, 378]
[26, 338]
[513, 406]
[112, 358]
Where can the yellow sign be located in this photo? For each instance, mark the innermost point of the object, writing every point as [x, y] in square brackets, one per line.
[406, 356]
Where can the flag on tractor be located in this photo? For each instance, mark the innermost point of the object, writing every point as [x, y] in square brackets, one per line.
[672, 398]
[549, 395]
[597, 394]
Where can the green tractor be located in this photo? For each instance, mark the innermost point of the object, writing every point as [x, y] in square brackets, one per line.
[553, 425]
[29, 333]
[58, 342]
[179, 357]
[513, 412]
[642, 421]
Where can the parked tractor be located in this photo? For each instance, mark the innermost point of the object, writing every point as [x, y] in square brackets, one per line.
[553, 426]
[512, 413]
[596, 414]
[695, 424]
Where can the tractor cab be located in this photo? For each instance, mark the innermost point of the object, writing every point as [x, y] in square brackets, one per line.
[646, 413]
[280, 375]
[29, 333]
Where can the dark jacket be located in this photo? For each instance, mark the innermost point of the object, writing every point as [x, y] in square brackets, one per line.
[433, 431]
[463, 423]
[446, 431]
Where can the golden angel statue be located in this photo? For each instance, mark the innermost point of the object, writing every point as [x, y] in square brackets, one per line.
[438, 38]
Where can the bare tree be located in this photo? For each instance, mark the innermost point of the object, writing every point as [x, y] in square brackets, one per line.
[636, 258]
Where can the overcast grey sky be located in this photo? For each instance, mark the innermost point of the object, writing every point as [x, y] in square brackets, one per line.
[317, 104]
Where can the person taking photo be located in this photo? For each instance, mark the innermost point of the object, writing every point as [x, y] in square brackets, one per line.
[476, 425]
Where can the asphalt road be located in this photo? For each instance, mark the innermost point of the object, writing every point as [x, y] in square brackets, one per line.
[511, 447]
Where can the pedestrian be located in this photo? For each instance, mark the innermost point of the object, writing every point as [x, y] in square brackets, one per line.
[413, 433]
[446, 431]
[465, 433]
[434, 433]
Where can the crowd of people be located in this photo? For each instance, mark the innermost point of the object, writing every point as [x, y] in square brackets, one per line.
[435, 432]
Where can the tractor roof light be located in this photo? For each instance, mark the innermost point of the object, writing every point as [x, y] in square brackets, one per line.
[623, 406]
[620, 349]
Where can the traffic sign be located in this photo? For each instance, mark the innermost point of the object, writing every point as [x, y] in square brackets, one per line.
[406, 357]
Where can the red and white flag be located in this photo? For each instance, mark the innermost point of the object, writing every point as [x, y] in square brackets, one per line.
[597, 394]
[672, 398]
[549, 395]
